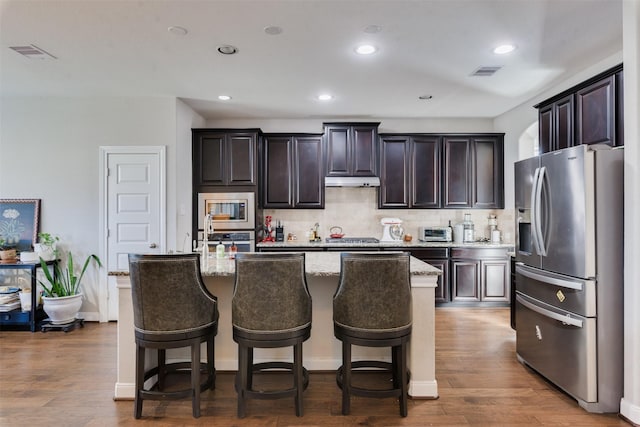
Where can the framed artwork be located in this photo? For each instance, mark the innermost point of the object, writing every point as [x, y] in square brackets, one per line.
[19, 222]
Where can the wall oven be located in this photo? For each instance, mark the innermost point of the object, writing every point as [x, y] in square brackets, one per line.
[245, 241]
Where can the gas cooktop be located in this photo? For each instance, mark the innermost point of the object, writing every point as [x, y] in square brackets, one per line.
[352, 240]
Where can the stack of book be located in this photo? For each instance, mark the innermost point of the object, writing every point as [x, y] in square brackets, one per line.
[9, 298]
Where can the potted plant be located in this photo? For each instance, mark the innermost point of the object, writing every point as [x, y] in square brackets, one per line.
[62, 297]
[46, 247]
[7, 252]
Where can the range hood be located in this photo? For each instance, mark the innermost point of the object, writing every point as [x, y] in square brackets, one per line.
[351, 181]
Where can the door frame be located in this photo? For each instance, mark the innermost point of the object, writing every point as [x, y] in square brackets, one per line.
[103, 209]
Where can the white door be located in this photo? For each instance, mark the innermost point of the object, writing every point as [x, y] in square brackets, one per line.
[135, 209]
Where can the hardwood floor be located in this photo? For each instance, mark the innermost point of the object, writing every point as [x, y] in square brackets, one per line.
[67, 379]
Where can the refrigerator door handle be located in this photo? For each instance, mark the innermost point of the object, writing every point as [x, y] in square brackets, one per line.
[538, 214]
[549, 280]
[534, 235]
[550, 314]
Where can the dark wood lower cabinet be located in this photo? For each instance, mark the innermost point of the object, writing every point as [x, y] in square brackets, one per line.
[465, 280]
[480, 276]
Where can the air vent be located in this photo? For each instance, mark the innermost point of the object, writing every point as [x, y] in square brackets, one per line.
[32, 51]
[485, 71]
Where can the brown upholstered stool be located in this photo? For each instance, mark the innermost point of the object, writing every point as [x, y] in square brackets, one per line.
[372, 308]
[171, 309]
[271, 308]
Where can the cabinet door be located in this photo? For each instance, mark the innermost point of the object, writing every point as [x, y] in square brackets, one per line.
[465, 280]
[208, 149]
[338, 150]
[394, 176]
[308, 175]
[364, 150]
[425, 171]
[495, 280]
[619, 113]
[457, 179]
[241, 157]
[488, 173]
[442, 291]
[563, 123]
[545, 129]
[595, 113]
[278, 167]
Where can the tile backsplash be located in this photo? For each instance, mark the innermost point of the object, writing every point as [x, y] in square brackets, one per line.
[356, 211]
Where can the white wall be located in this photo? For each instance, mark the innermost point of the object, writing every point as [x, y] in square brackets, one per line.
[49, 151]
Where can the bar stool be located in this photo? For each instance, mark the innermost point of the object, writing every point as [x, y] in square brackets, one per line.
[372, 308]
[171, 309]
[271, 308]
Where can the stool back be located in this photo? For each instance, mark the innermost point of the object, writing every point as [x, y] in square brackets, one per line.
[374, 291]
[270, 292]
[169, 295]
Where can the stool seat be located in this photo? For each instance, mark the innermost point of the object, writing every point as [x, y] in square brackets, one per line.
[271, 308]
[372, 308]
[172, 309]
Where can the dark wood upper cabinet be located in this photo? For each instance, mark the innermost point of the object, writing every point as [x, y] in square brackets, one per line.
[293, 171]
[425, 171]
[224, 157]
[351, 149]
[457, 172]
[487, 155]
[394, 172]
[595, 113]
[588, 113]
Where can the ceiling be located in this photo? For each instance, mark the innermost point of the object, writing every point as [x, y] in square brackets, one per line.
[428, 47]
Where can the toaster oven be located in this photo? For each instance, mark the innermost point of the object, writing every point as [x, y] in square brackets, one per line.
[435, 234]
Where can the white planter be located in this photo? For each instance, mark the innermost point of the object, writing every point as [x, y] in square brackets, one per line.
[47, 253]
[62, 310]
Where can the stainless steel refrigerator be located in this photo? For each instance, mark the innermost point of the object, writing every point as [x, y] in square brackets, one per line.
[569, 271]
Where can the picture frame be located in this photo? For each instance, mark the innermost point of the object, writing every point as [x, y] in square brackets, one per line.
[20, 222]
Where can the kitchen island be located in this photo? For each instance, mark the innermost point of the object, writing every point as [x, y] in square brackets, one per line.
[322, 351]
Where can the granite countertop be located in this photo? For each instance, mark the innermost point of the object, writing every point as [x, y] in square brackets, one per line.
[316, 264]
[415, 244]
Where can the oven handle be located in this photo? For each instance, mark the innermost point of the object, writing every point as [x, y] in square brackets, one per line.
[550, 314]
[549, 280]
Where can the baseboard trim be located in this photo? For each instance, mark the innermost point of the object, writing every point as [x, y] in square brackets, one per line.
[630, 411]
[423, 389]
[125, 391]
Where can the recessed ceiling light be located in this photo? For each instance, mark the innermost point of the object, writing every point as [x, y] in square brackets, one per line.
[425, 97]
[227, 49]
[224, 97]
[366, 49]
[325, 97]
[178, 31]
[504, 48]
[273, 30]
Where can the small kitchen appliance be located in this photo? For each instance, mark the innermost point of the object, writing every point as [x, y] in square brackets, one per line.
[435, 234]
[393, 230]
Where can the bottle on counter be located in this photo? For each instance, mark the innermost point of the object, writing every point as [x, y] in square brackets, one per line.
[450, 230]
[469, 231]
[220, 250]
[233, 250]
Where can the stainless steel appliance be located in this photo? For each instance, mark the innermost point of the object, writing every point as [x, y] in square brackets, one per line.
[569, 271]
[228, 211]
[435, 234]
[245, 241]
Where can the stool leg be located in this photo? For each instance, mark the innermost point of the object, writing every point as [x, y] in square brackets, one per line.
[298, 377]
[249, 368]
[395, 367]
[211, 369]
[195, 378]
[243, 355]
[162, 372]
[403, 379]
[346, 378]
[137, 406]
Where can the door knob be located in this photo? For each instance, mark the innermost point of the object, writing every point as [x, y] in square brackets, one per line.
[153, 246]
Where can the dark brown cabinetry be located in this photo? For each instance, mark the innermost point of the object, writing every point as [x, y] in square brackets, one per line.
[224, 157]
[473, 171]
[292, 171]
[480, 275]
[409, 171]
[439, 258]
[351, 149]
[588, 113]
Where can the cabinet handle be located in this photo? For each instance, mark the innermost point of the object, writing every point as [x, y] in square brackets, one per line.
[153, 246]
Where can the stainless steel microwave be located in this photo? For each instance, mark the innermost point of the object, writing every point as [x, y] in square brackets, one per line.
[228, 211]
[435, 234]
